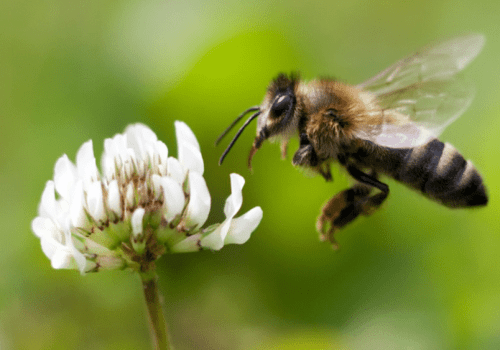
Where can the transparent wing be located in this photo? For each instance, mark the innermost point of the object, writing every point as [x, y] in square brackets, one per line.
[432, 105]
[420, 96]
[435, 62]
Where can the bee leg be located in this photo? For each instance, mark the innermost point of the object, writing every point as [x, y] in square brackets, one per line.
[340, 210]
[305, 155]
[325, 172]
[284, 147]
[370, 204]
[370, 180]
[349, 204]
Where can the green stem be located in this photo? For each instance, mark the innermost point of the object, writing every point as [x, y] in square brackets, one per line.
[156, 318]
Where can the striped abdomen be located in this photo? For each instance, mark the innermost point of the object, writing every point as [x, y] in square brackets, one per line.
[438, 171]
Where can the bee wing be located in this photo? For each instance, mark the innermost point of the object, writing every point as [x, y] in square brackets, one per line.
[419, 96]
[435, 62]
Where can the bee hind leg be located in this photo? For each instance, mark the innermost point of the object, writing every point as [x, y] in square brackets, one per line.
[373, 202]
[340, 210]
[347, 205]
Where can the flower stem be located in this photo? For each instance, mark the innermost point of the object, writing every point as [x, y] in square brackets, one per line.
[157, 322]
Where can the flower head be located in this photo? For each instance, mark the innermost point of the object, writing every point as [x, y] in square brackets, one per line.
[143, 204]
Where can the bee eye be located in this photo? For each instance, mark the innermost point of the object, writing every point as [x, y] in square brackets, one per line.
[281, 104]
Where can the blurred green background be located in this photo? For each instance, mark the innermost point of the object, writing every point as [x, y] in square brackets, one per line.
[415, 275]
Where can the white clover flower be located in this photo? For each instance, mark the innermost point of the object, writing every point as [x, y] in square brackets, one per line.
[142, 205]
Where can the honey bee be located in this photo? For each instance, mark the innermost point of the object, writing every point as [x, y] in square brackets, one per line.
[387, 125]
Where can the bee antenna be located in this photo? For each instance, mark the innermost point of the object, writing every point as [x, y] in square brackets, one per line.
[254, 108]
[238, 134]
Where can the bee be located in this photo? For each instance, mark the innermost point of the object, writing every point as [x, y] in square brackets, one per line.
[387, 125]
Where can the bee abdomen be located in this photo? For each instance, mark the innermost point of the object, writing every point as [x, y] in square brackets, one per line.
[441, 172]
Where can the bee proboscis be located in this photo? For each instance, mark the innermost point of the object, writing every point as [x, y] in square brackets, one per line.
[387, 125]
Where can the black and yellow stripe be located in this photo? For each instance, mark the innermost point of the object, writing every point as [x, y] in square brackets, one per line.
[436, 169]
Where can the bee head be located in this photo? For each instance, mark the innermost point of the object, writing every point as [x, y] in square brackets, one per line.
[275, 114]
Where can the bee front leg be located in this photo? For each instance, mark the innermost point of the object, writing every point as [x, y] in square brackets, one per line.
[347, 205]
[306, 156]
